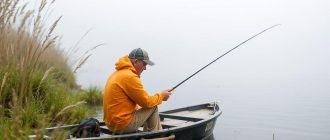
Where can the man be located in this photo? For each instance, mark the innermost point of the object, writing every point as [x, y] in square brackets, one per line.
[124, 93]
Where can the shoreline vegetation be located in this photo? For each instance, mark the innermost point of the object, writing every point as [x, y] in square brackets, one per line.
[38, 88]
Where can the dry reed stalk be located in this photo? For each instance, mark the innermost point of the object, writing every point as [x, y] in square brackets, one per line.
[84, 58]
[14, 110]
[5, 9]
[15, 15]
[3, 82]
[44, 78]
[41, 131]
[93, 48]
[68, 108]
[75, 47]
[37, 24]
[52, 28]
[80, 63]
[10, 51]
[38, 49]
[25, 21]
[73, 50]
[12, 12]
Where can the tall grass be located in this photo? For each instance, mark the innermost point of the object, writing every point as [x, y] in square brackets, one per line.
[37, 85]
[93, 96]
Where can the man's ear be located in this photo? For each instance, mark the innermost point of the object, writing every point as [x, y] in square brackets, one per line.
[135, 60]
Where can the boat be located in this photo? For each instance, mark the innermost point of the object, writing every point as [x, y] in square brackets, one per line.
[188, 123]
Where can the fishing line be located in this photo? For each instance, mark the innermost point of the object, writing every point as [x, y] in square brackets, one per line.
[223, 55]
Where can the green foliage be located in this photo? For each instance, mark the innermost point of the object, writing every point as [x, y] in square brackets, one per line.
[37, 85]
[93, 96]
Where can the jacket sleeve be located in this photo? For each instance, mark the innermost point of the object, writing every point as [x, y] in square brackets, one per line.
[136, 92]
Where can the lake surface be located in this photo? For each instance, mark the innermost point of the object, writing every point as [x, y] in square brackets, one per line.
[259, 99]
[258, 116]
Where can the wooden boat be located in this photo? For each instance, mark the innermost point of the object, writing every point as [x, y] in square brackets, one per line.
[189, 123]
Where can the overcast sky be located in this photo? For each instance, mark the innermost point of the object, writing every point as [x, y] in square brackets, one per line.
[278, 82]
[182, 36]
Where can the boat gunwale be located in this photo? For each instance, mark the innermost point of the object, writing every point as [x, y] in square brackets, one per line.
[169, 130]
[166, 130]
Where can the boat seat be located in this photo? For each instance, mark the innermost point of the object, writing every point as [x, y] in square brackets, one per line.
[171, 137]
[163, 116]
[165, 126]
[104, 129]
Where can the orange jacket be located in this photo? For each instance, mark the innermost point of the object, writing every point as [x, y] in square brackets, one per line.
[123, 92]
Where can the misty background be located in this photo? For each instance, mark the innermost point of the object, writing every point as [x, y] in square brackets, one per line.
[278, 83]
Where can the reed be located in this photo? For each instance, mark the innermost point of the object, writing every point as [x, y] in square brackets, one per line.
[37, 84]
[93, 96]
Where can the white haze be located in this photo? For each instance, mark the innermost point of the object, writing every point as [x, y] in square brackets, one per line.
[277, 83]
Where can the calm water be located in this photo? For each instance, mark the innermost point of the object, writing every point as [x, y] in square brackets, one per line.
[259, 114]
[305, 118]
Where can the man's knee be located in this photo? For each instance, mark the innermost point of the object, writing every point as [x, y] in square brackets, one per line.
[156, 108]
[153, 109]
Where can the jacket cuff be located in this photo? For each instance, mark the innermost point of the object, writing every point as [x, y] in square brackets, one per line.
[161, 96]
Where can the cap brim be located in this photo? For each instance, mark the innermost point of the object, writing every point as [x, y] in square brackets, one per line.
[149, 62]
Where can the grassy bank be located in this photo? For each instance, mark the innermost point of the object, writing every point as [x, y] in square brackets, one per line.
[37, 84]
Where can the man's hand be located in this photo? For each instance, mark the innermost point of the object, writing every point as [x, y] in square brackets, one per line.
[166, 94]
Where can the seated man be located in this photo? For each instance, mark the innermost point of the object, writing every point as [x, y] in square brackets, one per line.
[124, 92]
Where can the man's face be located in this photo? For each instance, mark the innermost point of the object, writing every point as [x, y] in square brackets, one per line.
[139, 66]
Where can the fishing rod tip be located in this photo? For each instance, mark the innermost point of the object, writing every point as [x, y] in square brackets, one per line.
[277, 25]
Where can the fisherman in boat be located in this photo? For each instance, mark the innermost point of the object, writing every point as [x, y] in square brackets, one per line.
[126, 104]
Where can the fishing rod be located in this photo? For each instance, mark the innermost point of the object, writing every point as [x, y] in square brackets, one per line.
[223, 55]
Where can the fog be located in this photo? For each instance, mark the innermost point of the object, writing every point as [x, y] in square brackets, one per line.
[278, 82]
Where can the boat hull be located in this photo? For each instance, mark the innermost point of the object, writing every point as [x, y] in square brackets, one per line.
[188, 123]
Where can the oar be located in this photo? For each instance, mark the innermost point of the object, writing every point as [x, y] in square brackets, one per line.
[222, 56]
